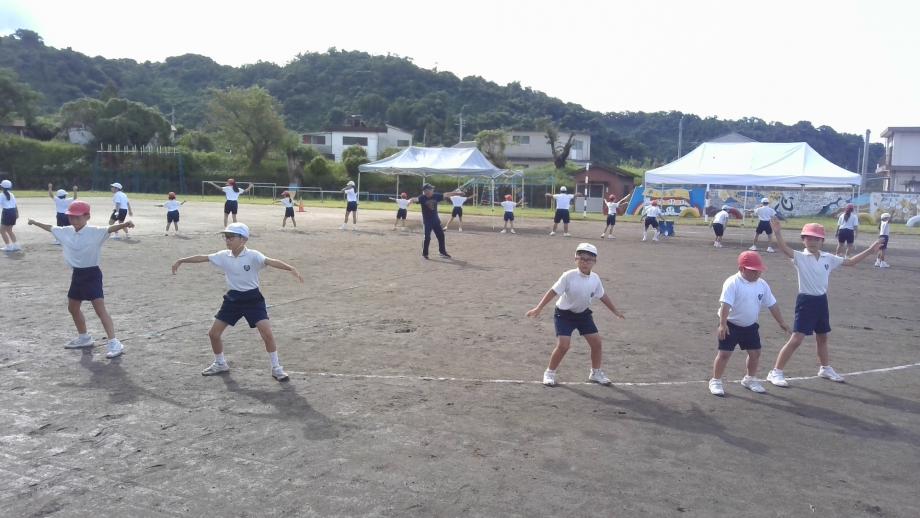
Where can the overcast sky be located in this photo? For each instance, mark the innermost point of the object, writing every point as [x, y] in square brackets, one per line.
[849, 64]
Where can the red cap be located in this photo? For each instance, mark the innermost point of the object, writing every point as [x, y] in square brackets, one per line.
[508, 197]
[751, 260]
[171, 196]
[654, 202]
[403, 195]
[813, 230]
[78, 208]
[231, 181]
[285, 193]
[850, 206]
[611, 197]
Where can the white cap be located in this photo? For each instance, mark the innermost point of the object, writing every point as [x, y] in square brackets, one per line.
[117, 186]
[725, 207]
[6, 184]
[765, 200]
[350, 183]
[586, 247]
[61, 193]
[885, 215]
[563, 189]
[236, 228]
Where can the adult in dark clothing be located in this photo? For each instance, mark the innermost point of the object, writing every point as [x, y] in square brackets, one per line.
[428, 201]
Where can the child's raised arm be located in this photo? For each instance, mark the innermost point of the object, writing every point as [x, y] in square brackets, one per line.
[780, 242]
[189, 259]
[853, 261]
[120, 226]
[50, 194]
[40, 225]
[281, 265]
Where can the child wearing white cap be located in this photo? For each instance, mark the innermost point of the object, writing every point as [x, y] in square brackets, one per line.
[719, 222]
[744, 294]
[563, 202]
[351, 205]
[764, 214]
[812, 314]
[243, 299]
[122, 208]
[576, 288]
[8, 217]
[884, 220]
[82, 246]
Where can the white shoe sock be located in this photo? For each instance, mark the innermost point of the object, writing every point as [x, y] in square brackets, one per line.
[219, 358]
[273, 356]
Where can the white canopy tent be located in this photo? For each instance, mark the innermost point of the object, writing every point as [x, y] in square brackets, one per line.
[753, 164]
[429, 161]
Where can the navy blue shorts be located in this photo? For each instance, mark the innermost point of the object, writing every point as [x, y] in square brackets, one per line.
[884, 240]
[719, 229]
[172, 216]
[457, 212]
[8, 217]
[567, 321]
[85, 284]
[561, 215]
[119, 215]
[62, 219]
[611, 219]
[351, 206]
[401, 213]
[846, 235]
[231, 206]
[243, 304]
[763, 226]
[746, 337]
[509, 216]
[811, 314]
[289, 212]
[651, 222]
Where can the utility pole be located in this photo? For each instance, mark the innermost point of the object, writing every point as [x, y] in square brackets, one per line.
[865, 161]
[461, 121]
[680, 136]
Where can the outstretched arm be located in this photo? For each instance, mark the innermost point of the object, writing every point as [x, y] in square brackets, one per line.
[613, 309]
[780, 242]
[548, 296]
[281, 265]
[852, 261]
[189, 259]
[119, 226]
[40, 225]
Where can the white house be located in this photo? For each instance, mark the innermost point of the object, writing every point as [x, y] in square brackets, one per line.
[333, 142]
[901, 164]
[529, 148]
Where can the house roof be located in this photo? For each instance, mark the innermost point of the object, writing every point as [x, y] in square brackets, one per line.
[899, 129]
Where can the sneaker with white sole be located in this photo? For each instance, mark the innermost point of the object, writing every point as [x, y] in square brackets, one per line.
[215, 368]
[343, 227]
[644, 237]
[503, 231]
[777, 378]
[552, 233]
[878, 262]
[114, 348]
[79, 342]
[598, 376]
[566, 234]
[753, 384]
[603, 236]
[770, 250]
[884, 264]
[753, 248]
[279, 374]
[715, 387]
[828, 372]
[549, 378]
[513, 232]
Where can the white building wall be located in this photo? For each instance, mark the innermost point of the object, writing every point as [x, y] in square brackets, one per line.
[338, 147]
[905, 149]
[539, 148]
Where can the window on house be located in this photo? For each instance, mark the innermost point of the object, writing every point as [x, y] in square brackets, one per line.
[577, 144]
[402, 143]
[520, 139]
[354, 141]
[319, 140]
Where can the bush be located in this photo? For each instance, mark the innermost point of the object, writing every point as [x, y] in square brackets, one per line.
[31, 164]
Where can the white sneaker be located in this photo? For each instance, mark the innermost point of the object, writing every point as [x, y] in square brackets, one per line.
[598, 376]
[644, 237]
[502, 232]
[753, 248]
[513, 232]
[549, 378]
[215, 368]
[753, 384]
[884, 264]
[611, 237]
[777, 378]
[878, 262]
[603, 236]
[343, 227]
[715, 387]
[715, 244]
[655, 238]
[459, 230]
[353, 228]
[770, 250]
[114, 349]
[827, 372]
[566, 235]
[552, 233]
[80, 342]
[279, 374]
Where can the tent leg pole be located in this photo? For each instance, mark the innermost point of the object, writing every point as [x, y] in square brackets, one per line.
[492, 208]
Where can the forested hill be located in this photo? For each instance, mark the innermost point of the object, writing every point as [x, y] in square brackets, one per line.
[316, 89]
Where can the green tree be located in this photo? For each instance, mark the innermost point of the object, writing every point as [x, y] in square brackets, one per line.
[16, 98]
[247, 119]
[297, 156]
[197, 141]
[82, 112]
[492, 144]
[560, 151]
[353, 157]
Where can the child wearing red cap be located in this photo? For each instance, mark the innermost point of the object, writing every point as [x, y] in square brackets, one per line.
[232, 192]
[743, 296]
[402, 203]
[288, 203]
[612, 207]
[847, 227]
[652, 213]
[82, 245]
[812, 315]
[172, 211]
[508, 205]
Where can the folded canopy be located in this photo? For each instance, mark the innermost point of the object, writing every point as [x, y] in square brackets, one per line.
[753, 164]
[428, 161]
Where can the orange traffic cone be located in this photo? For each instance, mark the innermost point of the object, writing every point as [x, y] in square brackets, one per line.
[300, 208]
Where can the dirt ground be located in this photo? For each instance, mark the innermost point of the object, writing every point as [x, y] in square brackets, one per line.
[415, 387]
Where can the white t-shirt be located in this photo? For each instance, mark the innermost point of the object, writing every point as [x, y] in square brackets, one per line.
[652, 211]
[120, 199]
[81, 249]
[883, 228]
[813, 275]
[764, 213]
[7, 203]
[62, 204]
[563, 200]
[403, 204]
[458, 201]
[746, 299]
[172, 205]
[350, 194]
[242, 271]
[612, 207]
[509, 206]
[720, 218]
[576, 290]
[851, 223]
[231, 194]
[287, 202]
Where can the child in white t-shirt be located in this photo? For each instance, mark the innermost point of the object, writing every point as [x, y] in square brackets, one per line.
[10, 213]
[508, 206]
[243, 299]
[652, 212]
[884, 220]
[288, 203]
[82, 246]
[457, 211]
[577, 288]
[764, 214]
[744, 294]
[232, 192]
[121, 208]
[563, 203]
[61, 204]
[351, 205]
[172, 211]
[812, 314]
[719, 222]
[402, 204]
[612, 207]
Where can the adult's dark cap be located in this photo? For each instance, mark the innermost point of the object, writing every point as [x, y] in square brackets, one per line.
[428, 187]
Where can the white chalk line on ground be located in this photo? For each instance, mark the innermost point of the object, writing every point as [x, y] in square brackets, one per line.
[538, 382]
